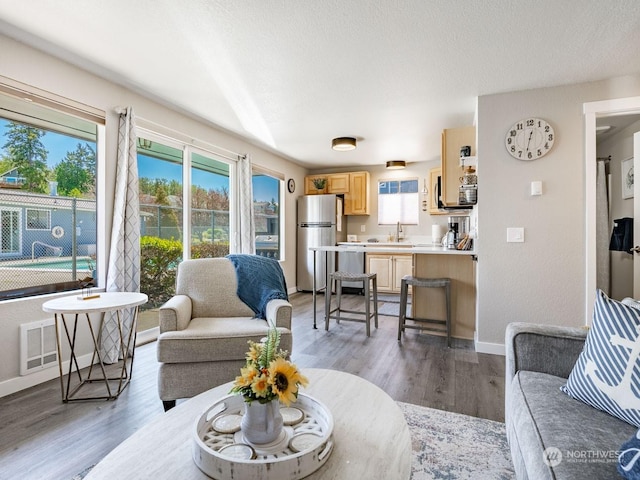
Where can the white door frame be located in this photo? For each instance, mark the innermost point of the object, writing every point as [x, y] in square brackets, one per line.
[593, 110]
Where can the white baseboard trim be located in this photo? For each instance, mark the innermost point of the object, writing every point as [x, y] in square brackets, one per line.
[291, 291]
[17, 384]
[492, 348]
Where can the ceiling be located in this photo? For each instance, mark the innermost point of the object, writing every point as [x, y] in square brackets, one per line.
[292, 75]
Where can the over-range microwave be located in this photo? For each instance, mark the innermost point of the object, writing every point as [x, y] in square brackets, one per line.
[438, 199]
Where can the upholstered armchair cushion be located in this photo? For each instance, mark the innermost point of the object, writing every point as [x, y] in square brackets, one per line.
[211, 285]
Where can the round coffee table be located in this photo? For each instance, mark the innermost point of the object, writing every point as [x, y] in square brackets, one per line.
[371, 436]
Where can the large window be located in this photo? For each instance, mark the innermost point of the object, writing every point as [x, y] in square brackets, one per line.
[47, 199]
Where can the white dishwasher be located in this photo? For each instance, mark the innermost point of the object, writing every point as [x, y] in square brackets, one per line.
[352, 262]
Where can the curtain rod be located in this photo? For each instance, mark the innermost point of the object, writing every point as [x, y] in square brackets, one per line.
[186, 138]
[606, 159]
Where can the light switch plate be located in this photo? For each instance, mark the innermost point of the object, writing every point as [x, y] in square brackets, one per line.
[515, 234]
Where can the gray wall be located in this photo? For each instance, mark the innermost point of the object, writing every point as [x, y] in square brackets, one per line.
[543, 279]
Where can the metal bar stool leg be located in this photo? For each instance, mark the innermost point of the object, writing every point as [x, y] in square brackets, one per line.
[375, 299]
[338, 298]
[403, 308]
[327, 302]
[447, 290]
[367, 306]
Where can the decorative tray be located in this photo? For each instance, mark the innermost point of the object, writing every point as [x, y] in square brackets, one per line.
[221, 451]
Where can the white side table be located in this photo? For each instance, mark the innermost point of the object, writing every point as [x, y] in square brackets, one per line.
[107, 302]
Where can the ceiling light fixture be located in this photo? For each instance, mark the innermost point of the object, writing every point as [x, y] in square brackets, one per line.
[343, 144]
[396, 164]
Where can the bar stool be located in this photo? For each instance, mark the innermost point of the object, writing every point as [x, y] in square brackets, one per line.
[370, 284]
[428, 283]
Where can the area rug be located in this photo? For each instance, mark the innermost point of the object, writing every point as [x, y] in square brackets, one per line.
[452, 446]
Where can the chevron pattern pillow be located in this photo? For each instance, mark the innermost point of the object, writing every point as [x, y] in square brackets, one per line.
[607, 373]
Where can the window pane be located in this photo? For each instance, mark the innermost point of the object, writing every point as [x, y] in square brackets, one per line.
[266, 210]
[398, 202]
[47, 202]
[209, 207]
[160, 189]
[38, 219]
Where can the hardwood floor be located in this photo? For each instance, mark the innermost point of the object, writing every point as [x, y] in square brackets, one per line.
[43, 438]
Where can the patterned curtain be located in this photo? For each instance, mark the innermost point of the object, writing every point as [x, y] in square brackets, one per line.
[247, 227]
[123, 273]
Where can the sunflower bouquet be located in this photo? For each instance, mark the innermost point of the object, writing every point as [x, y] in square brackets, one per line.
[268, 374]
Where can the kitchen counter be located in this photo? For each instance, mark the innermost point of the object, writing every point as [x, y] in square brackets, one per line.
[429, 261]
[392, 248]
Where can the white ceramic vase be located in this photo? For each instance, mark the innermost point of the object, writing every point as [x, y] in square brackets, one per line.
[261, 422]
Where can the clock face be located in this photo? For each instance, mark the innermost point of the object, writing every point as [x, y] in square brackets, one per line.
[291, 185]
[529, 139]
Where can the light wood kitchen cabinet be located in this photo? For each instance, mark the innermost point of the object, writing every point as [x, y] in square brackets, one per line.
[389, 270]
[309, 186]
[353, 185]
[452, 140]
[434, 176]
[338, 183]
[356, 202]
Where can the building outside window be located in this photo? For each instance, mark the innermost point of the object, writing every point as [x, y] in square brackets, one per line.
[47, 200]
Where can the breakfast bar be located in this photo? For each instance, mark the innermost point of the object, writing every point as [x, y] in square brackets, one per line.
[428, 262]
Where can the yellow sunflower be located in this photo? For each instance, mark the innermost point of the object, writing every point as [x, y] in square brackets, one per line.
[284, 379]
[260, 386]
[247, 374]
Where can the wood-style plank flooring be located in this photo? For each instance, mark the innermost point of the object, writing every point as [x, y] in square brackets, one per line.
[43, 438]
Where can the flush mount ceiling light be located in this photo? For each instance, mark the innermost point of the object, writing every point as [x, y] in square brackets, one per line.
[343, 144]
[396, 164]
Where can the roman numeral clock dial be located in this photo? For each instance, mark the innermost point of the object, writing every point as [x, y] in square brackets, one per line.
[530, 139]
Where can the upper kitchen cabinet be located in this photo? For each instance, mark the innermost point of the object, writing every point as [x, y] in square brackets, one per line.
[315, 184]
[353, 185]
[338, 183]
[435, 176]
[356, 201]
[452, 140]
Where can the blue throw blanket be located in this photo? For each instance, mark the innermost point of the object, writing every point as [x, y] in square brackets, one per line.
[260, 279]
[628, 458]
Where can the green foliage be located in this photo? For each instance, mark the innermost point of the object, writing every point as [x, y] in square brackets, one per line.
[159, 259]
[76, 172]
[209, 250]
[28, 154]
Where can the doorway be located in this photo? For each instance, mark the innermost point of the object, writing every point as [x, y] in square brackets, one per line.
[592, 112]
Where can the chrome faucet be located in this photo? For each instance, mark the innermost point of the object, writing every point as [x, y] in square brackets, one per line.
[398, 231]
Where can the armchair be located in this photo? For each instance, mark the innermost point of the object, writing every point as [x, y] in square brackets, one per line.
[205, 327]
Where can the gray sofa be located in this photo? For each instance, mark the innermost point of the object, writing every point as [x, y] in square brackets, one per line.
[539, 359]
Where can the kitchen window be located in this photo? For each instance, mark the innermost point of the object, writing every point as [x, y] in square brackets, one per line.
[398, 202]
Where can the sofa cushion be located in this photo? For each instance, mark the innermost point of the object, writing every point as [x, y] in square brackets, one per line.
[227, 336]
[542, 418]
[606, 375]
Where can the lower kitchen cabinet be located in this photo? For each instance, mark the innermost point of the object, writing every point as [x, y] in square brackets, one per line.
[389, 270]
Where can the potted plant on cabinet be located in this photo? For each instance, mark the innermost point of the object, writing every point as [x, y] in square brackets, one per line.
[320, 184]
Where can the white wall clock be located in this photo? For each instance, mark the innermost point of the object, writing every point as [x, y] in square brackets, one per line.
[529, 139]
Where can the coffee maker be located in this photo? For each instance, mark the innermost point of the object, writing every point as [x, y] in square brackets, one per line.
[458, 229]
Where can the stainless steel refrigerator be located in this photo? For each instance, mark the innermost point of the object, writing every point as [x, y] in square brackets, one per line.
[320, 223]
